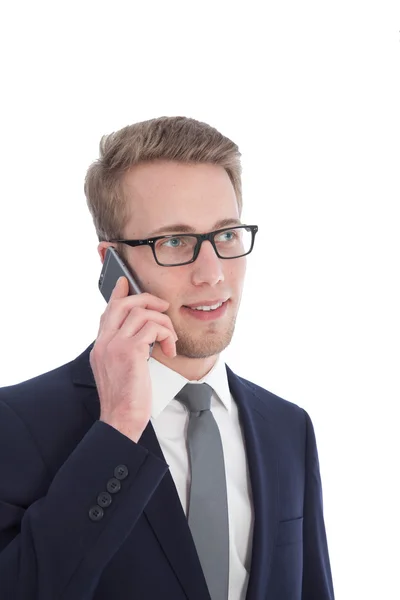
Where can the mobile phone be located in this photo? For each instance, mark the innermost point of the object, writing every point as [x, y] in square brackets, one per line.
[113, 268]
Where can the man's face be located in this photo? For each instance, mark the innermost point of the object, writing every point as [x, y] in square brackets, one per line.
[161, 194]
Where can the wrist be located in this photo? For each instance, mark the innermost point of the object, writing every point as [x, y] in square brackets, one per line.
[130, 430]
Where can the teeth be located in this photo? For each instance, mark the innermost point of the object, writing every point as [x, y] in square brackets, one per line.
[208, 307]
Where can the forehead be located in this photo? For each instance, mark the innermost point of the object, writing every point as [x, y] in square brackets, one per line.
[162, 193]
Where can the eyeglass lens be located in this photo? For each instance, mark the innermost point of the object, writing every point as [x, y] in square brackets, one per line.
[230, 243]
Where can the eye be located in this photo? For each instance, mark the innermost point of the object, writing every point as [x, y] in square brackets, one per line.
[229, 236]
[172, 242]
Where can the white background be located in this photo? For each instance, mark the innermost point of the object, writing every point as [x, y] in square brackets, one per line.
[310, 92]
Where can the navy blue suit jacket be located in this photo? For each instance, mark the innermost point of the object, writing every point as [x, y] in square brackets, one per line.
[56, 457]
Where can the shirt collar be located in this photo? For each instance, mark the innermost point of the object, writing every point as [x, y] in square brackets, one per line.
[166, 383]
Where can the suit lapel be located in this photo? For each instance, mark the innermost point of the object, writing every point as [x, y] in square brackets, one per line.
[166, 517]
[164, 510]
[263, 468]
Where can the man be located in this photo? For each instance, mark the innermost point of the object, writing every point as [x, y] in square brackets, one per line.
[124, 477]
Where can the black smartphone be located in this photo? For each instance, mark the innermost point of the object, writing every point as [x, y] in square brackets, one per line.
[113, 268]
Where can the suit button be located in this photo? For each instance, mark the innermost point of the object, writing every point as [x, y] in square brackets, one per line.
[104, 499]
[96, 513]
[121, 472]
[113, 485]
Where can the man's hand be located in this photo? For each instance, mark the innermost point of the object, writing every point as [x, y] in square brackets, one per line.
[119, 358]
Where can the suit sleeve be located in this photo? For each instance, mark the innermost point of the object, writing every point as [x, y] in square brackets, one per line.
[57, 544]
[317, 577]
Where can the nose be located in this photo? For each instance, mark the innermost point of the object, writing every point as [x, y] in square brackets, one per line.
[207, 268]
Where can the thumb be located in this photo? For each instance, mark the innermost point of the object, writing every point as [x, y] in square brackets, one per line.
[121, 288]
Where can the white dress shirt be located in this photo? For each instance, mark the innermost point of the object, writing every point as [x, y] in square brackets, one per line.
[170, 419]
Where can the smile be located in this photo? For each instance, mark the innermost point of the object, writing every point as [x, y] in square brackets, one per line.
[206, 313]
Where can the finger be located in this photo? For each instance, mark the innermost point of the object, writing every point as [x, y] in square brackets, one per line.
[153, 332]
[121, 288]
[119, 308]
[139, 316]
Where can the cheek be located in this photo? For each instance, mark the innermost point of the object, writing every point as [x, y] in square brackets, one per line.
[237, 273]
[165, 285]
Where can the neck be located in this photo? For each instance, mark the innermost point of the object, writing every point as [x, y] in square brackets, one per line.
[193, 369]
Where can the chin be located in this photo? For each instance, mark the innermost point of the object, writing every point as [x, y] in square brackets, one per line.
[204, 347]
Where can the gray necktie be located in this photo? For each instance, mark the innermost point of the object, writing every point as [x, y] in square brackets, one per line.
[208, 506]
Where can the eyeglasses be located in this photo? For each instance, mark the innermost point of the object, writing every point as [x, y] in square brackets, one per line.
[182, 249]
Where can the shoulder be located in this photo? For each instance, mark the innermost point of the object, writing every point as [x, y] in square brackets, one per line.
[283, 416]
[42, 391]
[286, 416]
[56, 387]
[48, 412]
[290, 424]
[275, 404]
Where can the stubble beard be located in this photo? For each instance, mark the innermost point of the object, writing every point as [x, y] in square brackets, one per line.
[209, 342]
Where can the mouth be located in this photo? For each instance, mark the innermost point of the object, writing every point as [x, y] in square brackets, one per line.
[212, 312]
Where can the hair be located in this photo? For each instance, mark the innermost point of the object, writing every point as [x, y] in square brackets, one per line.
[178, 139]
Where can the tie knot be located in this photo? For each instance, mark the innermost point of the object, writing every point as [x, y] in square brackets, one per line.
[195, 396]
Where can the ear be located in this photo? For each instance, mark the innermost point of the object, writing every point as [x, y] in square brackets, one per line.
[102, 249]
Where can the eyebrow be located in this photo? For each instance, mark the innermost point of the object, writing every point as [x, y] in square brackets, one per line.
[182, 228]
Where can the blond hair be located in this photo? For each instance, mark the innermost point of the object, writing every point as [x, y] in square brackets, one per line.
[178, 139]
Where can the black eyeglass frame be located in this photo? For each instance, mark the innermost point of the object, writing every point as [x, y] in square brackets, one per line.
[201, 237]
